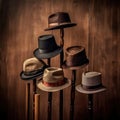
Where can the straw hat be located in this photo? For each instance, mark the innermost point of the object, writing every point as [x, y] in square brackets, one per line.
[32, 68]
[53, 80]
[75, 57]
[91, 83]
[59, 20]
[47, 47]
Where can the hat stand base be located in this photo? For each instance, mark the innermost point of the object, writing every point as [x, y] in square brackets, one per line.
[72, 95]
[90, 106]
[61, 62]
[49, 117]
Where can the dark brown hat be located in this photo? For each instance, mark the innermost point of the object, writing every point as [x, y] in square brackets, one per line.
[75, 57]
[59, 20]
[47, 47]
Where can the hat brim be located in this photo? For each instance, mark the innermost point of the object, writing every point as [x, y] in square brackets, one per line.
[66, 25]
[80, 89]
[30, 77]
[39, 55]
[41, 86]
[84, 64]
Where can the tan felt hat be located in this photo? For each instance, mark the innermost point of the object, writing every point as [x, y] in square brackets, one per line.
[53, 80]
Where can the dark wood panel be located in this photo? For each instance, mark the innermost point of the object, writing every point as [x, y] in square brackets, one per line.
[98, 28]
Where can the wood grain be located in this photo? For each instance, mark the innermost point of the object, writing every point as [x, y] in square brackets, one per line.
[98, 30]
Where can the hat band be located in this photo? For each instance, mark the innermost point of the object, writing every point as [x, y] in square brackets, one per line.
[59, 83]
[55, 24]
[91, 87]
[35, 71]
[45, 51]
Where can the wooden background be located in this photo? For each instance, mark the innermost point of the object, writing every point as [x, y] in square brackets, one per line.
[98, 30]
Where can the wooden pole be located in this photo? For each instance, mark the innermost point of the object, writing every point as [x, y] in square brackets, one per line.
[34, 92]
[72, 95]
[37, 106]
[90, 106]
[49, 100]
[27, 101]
[61, 62]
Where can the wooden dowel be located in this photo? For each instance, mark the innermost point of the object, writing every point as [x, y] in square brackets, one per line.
[49, 117]
[27, 101]
[90, 106]
[34, 92]
[72, 95]
[37, 106]
[49, 106]
[61, 105]
[61, 62]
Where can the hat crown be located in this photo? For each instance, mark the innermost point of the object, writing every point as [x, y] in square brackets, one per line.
[75, 56]
[53, 75]
[74, 50]
[59, 17]
[32, 64]
[91, 79]
[46, 43]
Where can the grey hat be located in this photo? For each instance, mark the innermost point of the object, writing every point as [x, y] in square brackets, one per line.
[91, 83]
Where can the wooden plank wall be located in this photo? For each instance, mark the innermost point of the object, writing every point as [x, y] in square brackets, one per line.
[98, 30]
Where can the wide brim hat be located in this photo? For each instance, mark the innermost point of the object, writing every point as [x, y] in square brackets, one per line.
[59, 20]
[30, 77]
[32, 68]
[41, 86]
[80, 89]
[84, 64]
[36, 74]
[62, 25]
[39, 55]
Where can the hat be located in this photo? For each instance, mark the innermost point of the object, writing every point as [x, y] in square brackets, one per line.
[47, 47]
[75, 57]
[59, 20]
[91, 83]
[32, 68]
[53, 80]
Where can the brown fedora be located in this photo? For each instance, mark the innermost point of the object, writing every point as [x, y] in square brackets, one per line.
[53, 80]
[75, 57]
[91, 83]
[59, 20]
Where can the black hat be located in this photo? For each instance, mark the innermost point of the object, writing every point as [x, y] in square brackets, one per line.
[47, 47]
[59, 20]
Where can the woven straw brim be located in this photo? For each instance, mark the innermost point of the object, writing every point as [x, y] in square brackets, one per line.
[30, 77]
[41, 86]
